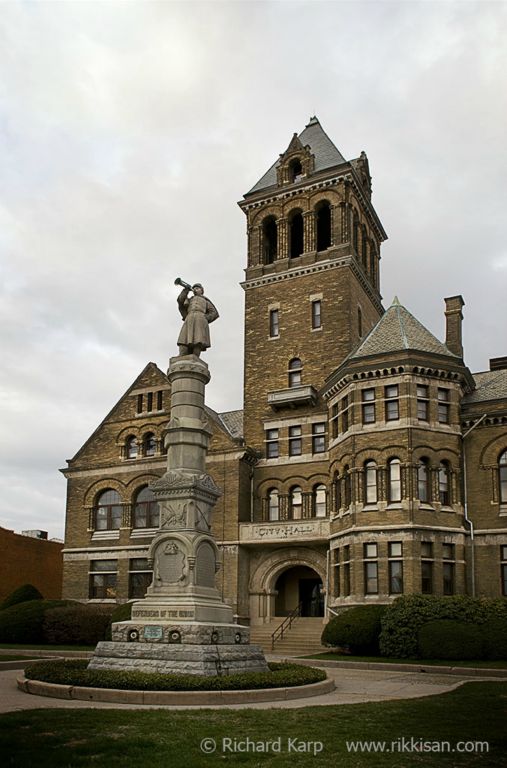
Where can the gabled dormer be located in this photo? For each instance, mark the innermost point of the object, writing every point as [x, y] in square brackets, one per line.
[295, 164]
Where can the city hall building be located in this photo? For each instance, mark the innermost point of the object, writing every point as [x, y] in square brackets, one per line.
[368, 460]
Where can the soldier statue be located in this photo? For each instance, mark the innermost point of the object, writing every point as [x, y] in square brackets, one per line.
[197, 313]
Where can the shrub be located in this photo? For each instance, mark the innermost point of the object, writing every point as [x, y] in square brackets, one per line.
[122, 612]
[494, 634]
[75, 673]
[76, 624]
[23, 623]
[356, 628]
[447, 639]
[406, 615]
[21, 595]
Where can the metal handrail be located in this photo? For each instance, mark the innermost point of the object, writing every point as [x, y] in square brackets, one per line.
[279, 631]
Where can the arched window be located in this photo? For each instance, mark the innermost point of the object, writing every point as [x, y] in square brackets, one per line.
[370, 482]
[149, 444]
[393, 468]
[295, 169]
[273, 505]
[347, 486]
[423, 480]
[319, 501]
[323, 216]
[269, 240]
[296, 229]
[131, 447]
[502, 477]
[355, 232]
[295, 372]
[444, 493]
[146, 511]
[108, 511]
[364, 248]
[296, 503]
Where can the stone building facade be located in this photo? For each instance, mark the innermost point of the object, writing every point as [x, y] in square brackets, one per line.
[367, 462]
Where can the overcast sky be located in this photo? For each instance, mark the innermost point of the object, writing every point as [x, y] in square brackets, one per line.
[129, 131]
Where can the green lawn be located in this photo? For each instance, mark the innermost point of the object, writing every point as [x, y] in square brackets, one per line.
[159, 739]
[386, 660]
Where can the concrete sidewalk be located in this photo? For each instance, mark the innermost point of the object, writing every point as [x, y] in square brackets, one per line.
[352, 687]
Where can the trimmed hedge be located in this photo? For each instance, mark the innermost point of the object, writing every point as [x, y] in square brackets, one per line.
[406, 615]
[23, 623]
[21, 595]
[447, 639]
[122, 612]
[494, 637]
[76, 624]
[357, 628]
[75, 673]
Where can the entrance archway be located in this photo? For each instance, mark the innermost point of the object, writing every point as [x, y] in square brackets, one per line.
[299, 586]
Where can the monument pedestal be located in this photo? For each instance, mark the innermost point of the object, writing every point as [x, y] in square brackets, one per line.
[182, 625]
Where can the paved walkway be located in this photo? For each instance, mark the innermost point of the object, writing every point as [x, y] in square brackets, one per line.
[352, 686]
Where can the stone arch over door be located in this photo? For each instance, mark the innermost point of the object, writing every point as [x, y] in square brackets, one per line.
[269, 568]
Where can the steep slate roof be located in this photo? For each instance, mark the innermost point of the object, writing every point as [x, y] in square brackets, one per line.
[326, 154]
[233, 421]
[490, 385]
[397, 330]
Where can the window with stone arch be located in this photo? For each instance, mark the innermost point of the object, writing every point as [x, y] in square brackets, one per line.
[394, 479]
[423, 481]
[269, 240]
[502, 477]
[296, 502]
[295, 372]
[149, 444]
[370, 482]
[131, 447]
[444, 483]
[273, 505]
[146, 510]
[337, 488]
[108, 510]
[296, 234]
[295, 169]
[347, 486]
[323, 225]
[320, 501]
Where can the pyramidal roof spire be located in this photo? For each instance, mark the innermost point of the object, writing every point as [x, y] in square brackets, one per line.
[321, 147]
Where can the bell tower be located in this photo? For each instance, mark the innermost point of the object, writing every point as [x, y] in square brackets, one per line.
[312, 277]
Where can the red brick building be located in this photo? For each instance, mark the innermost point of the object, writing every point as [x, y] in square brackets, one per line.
[30, 560]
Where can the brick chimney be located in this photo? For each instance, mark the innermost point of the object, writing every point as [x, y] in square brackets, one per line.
[453, 320]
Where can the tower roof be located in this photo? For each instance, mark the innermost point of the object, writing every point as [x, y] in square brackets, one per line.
[397, 330]
[321, 146]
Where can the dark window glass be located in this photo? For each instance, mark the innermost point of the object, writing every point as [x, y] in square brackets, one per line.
[296, 229]
[422, 402]
[269, 240]
[504, 579]
[316, 314]
[274, 328]
[427, 549]
[295, 441]
[371, 578]
[132, 448]
[273, 505]
[103, 579]
[139, 404]
[359, 322]
[295, 372]
[392, 403]
[296, 503]
[395, 577]
[323, 226]
[443, 406]
[394, 472]
[443, 484]
[368, 406]
[345, 414]
[108, 511]
[347, 487]
[318, 438]
[427, 577]
[448, 576]
[334, 420]
[423, 483]
[150, 444]
[272, 443]
[320, 501]
[146, 510]
[160, 400]
[370, 482]
[139, 583]
[502, 477]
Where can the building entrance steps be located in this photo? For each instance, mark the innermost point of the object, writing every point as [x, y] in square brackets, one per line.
[302, 638]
